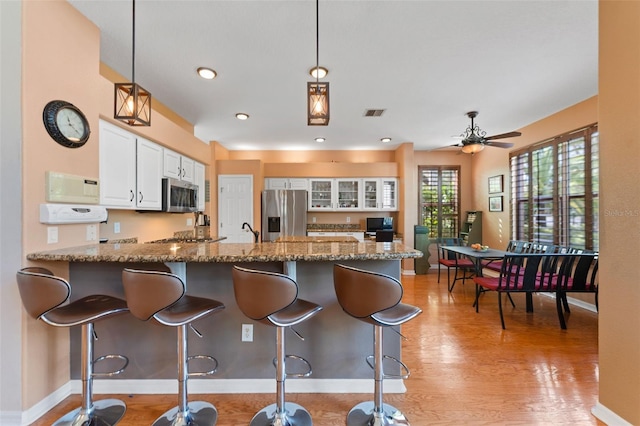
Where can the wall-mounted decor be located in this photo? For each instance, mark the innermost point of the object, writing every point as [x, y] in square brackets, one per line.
[495, 184]
[495, 203]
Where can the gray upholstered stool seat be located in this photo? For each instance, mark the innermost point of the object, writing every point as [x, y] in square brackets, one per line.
[160, 296]
[272, 299]
[44, 296]
[375, 299]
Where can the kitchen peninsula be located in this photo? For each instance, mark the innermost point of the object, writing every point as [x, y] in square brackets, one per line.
[335, 344]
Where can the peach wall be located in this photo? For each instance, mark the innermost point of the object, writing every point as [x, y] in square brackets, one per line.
[71, 74]
[343, 168]
[369, 156]
[495, 161]
[619, 109]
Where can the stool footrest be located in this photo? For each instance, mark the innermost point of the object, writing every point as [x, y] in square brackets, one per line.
[203, 373]
[294, 375]
[391, 376]
[111, 373]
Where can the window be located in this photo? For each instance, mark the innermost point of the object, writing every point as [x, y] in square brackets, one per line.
[440, 200]
[554, 190]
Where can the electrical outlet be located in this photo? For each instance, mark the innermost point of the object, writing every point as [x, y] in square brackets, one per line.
[247, 332]
[92, 233]
[313, 219]
[52, 234]
[189, 222]
[348, 219]
[116, 227]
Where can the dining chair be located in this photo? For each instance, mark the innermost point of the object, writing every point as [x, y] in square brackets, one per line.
[452, 260]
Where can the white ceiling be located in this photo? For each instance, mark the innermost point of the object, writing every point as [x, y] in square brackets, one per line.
[425, 62]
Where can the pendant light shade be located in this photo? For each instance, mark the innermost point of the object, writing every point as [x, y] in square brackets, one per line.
[317, 92]
[318, 113]
[132, 103]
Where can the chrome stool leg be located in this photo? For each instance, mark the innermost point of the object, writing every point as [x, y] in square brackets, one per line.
[197, 413]
[281, 413]
[376, 412]
[105, 412]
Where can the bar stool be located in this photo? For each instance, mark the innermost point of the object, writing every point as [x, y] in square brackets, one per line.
[271, 299]
[375, 299]
[161, 296]
[43, 296]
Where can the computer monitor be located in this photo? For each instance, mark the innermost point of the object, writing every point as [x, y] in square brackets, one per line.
[374, 223]
[377, 223]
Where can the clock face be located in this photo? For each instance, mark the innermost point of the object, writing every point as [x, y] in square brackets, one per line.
[66, 124]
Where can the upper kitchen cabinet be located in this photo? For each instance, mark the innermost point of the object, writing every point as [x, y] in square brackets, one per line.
[130, 170]
[321, 196]
[348, 194]
[286, 183]
[117, 167]
[148, 175]
[199, 179]
[380, 194]
[178, 166]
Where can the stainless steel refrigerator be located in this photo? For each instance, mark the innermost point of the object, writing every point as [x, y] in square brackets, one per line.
[284, 212]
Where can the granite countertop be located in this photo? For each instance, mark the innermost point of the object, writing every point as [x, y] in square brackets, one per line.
[228, 252]
[334, 227]
[320, 239]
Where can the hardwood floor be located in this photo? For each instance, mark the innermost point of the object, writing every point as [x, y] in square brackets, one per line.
[465, 370]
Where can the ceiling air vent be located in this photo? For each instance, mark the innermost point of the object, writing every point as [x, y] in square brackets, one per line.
[373, 112]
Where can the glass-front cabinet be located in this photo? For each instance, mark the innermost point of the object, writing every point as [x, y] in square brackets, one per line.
[321, 194]
[348, 194]
[380, 194]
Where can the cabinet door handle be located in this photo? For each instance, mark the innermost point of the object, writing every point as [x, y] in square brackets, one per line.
[132, 195]
[179, 171]
[183, 172]
[140, 200]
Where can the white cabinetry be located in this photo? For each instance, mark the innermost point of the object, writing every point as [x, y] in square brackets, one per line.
[117, 150]
[286, 183]
[380, 194]
[321, 195]
[348, 194]
[130, 170]
[178, 166]
[148, 175]
[199, 179]
[357, 234]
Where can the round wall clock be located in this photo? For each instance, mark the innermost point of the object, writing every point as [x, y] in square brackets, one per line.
[66, 124]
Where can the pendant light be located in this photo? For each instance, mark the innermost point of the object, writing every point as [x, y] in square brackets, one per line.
[317, 92]
[132, 103]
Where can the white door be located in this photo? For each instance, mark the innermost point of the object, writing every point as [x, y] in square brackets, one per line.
[235, 207]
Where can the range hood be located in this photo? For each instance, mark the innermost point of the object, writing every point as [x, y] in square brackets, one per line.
[61, 214]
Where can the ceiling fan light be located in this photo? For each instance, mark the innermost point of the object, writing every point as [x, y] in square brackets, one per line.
[472, 148]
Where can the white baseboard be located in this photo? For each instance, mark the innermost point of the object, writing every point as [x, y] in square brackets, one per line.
[607, 416]
[408, 272]
[34, 413]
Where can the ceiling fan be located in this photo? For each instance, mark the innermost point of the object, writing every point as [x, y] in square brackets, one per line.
[474, 139]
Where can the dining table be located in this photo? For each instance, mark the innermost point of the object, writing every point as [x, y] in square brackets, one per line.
[478, 257]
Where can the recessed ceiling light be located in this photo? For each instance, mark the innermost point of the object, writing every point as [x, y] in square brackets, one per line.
[320, 71]
[207, 73]
[242, 116]
[385, 140]
[320, 139]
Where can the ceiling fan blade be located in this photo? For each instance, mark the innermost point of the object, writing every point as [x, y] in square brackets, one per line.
[499, 144]
[504, 135]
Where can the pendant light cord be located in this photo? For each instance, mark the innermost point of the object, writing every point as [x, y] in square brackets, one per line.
[133, 44]
[317, 42]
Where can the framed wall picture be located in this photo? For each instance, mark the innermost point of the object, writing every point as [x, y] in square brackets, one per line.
[495, 203]
[496, 184]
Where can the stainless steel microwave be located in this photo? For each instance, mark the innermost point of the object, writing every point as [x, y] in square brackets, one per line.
[179, 196]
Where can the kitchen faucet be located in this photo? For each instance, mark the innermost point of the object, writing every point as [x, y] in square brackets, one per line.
[255, 233]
